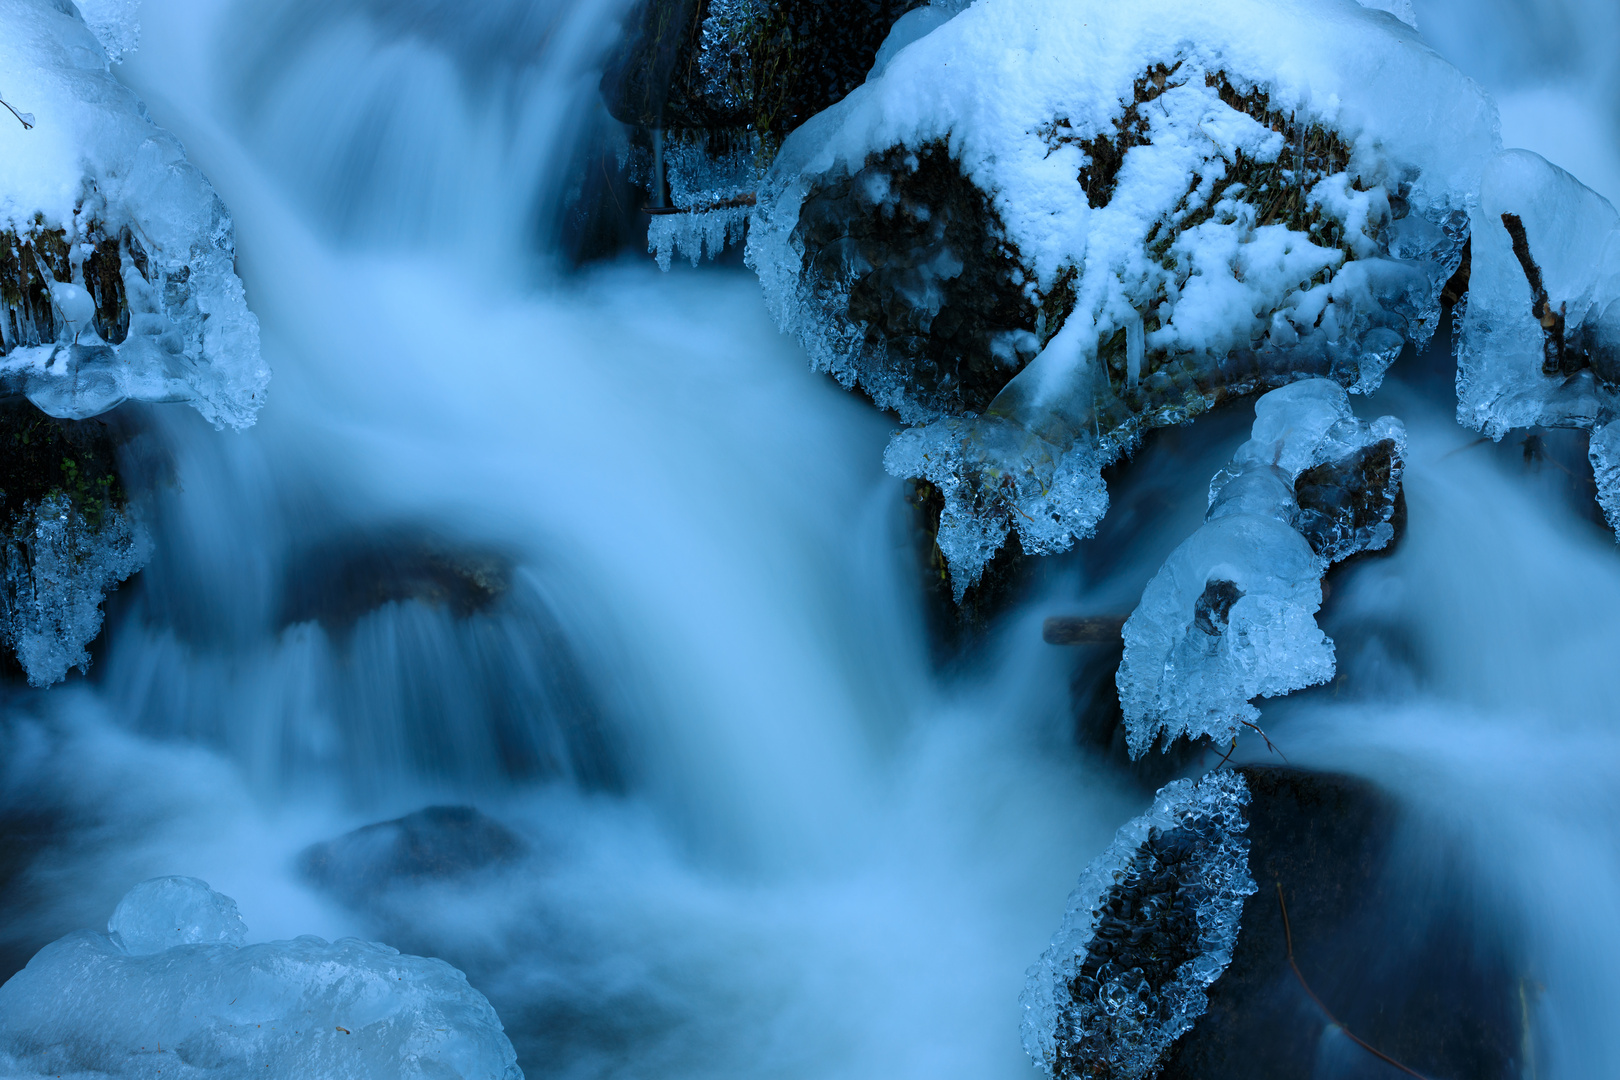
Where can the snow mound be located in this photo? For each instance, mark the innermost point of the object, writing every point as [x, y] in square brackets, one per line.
[1231, 614]
[1150, 926]
[171, 991]
[1047, 225]
[117, 272]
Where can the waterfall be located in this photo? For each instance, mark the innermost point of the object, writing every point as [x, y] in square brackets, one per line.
[593, 550]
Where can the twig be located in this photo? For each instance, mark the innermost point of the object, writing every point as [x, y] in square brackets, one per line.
[1288, 935]
[1263, 735]
[25, 119]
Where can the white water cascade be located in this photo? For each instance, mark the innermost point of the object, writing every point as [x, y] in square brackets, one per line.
[663, 618]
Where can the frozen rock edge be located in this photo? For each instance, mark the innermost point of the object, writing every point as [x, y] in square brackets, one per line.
[1149, 928]
[171, 990]
[117, 258]
[1231, 615]
[1265, 192]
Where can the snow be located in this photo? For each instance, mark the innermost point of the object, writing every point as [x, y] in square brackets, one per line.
[96, 168]
[1088, 1011]
[171, 991]
[1015, 89]
[1231, 614]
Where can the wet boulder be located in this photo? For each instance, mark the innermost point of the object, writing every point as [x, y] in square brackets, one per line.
[438, 843]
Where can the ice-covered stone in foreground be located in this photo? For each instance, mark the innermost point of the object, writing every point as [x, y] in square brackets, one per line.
[117, 275]
[171, 992]
[1231, 615]
[1050, 224]
[1150, 926]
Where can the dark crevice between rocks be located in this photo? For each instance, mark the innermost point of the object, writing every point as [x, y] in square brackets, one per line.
[1433, 983]
[955, 627]
[927, 274]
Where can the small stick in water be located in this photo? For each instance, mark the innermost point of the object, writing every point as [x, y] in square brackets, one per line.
[1082, 629]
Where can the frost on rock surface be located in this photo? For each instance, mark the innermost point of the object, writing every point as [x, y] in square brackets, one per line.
[1539, 340]
[68, 536]
[1231, 615]
[1150, 926]
[1050, 224]
[171, 991]
[116, 256]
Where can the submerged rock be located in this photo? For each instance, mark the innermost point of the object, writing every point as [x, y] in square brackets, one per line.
[117, 276]
[1045, 227]
[1231, 614]
[172, 991]
[435, 844]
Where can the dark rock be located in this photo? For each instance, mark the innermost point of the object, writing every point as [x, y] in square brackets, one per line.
[439, 843]
[924, 277]
[1341, 503]
[1214, 606]
[339, 580]
[773, 71]
[1391, 941]
[1082, 629]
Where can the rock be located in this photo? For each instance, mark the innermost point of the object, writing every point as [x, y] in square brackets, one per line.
[67, 536]
[1174, 958]
[1045, 228]
[1409, 968]
[338, 580]
[117, 259]
[438, 843]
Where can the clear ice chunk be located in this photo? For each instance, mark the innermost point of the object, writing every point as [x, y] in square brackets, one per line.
[1231, 614]
[123, 255]
[163, 912]
[1189, 200]
[173, 992]
[1098, 1003]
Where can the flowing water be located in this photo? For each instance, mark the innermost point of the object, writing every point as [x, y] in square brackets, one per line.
[661, 612]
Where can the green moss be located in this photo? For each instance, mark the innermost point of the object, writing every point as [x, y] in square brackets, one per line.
[41, 457]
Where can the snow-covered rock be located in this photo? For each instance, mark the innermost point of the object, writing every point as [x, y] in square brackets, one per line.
[1049, 224]
[172, 991]
[117, 275]
[1231, 614]
[1150, 926]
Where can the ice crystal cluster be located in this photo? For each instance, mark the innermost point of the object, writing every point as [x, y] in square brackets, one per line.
[171, 990]
[1150, 926]
[1231, 614]
[56, 567]
[116, 256]
[1048, 225]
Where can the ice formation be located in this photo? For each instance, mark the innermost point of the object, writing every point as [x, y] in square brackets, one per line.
[1539, 340]
[1150, 926]
[1231, 614]
[172, 991]
[58, 565]
[116, 256]
[1049, 224]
